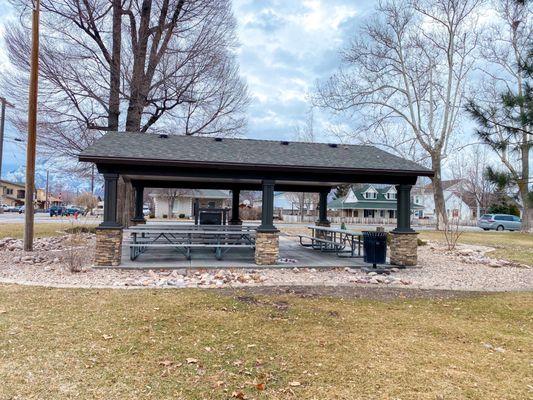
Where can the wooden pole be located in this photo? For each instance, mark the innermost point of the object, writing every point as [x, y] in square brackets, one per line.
[32, 131]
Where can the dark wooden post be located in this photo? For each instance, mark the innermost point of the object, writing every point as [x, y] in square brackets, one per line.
[267, 212]
[323, 209]
[110, 202]
[403, 201]
[138, 218]
[235, 220]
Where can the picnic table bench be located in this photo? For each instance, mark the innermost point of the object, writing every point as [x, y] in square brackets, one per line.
[185, 238]
[340, 241]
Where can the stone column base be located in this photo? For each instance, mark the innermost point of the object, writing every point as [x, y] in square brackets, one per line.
[266, 248]
[404, 248]
[108, 250]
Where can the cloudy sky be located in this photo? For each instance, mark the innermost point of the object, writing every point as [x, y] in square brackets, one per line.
[285, 47]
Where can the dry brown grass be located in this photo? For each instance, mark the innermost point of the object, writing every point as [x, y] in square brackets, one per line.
[45, 229]
[104, 344]
[515, 246]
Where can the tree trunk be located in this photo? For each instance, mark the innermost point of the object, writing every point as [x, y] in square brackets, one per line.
[114, 75]
[438, 193]
[137, 97]
[524, 182]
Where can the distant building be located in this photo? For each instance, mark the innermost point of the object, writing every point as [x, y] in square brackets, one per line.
[12, 194]
[458, 204]
[185, 199]
[369, 202]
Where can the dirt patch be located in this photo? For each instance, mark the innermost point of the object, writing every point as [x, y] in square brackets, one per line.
[348, 292]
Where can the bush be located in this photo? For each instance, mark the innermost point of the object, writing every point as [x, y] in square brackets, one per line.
[80, 229]
[151, 216]
[165, 216]
[181, 216]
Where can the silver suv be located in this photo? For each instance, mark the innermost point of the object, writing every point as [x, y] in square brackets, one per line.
[500, 222]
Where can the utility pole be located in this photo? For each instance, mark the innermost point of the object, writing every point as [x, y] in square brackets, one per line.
[32, 130]
[3, 106]
[46, 202]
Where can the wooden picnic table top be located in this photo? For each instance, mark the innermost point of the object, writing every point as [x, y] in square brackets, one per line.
[335, 230]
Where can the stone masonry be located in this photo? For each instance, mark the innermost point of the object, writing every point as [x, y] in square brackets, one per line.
[403, 248]
[266, 248]
[108, 246]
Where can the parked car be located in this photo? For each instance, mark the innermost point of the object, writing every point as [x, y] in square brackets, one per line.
[56, 211]
[72, 210]
[500, 222]
[146, 211]
[8, 208]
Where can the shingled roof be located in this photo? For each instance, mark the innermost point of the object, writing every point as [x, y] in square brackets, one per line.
[174, 149]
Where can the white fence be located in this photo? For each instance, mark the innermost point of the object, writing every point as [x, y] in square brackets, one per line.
[368, 221]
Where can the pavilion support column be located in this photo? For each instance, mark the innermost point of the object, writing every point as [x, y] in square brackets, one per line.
[235, 220]
[267, 239]
[404, 240]
[108, 249]
[138, 217]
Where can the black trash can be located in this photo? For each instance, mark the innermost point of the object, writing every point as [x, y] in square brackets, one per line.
[375, 247]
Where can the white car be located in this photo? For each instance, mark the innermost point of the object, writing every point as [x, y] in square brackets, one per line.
[146, 211]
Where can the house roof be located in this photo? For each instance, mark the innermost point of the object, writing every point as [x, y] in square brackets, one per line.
[3, 181]
[380, 203]
[445, 184]
[197, 150]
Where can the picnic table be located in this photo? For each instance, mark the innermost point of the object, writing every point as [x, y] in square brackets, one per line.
[185, 238]
[343, 242]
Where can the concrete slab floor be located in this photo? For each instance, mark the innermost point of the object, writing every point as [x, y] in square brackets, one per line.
[291, 252]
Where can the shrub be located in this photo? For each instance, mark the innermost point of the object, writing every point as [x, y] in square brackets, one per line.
[165, 216]
[181, 216]
[80, 229]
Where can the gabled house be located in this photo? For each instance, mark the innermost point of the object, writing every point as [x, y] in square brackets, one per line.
[456, 203]
[369, 201]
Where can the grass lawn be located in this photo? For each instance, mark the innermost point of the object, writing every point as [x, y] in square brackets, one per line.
[192, 344]
[45, 229]
[515, 246]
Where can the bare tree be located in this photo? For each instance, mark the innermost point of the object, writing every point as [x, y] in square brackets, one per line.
[135, 65]
[303, 202]
[469, 166]
[305, 132]
[407, 68]
[503, 103]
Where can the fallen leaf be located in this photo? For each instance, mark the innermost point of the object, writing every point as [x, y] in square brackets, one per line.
[208, 349]
[238, 395]
[3, 311]
[166, 363]
[191, 361]
[260, 386]
[107, 337]
[295, 383]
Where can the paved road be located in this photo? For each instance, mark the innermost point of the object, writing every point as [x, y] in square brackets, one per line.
[16, 218]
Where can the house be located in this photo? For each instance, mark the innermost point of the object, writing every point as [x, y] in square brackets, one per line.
[11, 193]
[458, 204]
[41, 201]
[369, 202]
[184, 201]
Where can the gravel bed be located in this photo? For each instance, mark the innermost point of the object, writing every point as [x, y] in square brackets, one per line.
[51, 264]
